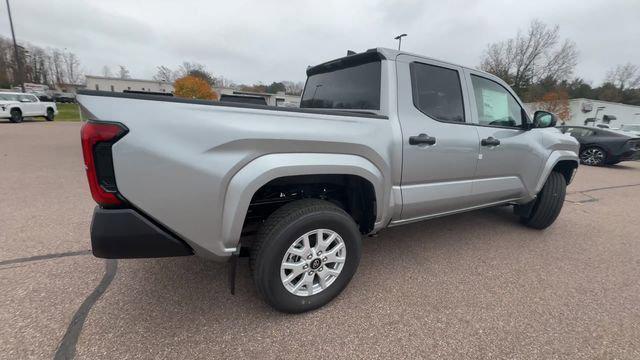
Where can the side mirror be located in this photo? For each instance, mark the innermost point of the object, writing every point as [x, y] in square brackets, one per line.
[24, 100]
[544, 119]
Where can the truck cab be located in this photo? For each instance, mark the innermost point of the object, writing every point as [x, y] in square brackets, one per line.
[464, 136]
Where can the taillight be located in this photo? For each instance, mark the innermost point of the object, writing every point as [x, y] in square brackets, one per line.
[97, 139]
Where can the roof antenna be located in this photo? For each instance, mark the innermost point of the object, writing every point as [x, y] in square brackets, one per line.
[399, 38]
[350, 52]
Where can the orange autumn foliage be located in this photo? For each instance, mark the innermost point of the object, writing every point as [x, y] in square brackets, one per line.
[192, 87]
[557, 102]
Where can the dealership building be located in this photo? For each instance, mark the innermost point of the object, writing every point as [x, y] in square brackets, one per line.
[121, 85]
[591, 112]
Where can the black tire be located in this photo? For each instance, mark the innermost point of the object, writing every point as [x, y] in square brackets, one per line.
[593, 156]
[16, 116]
[280, 231]
[548, 204]
[50, 114]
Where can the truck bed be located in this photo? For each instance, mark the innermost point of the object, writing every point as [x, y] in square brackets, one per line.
[180, 158]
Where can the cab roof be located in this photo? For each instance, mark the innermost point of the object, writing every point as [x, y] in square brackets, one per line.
[373, 54]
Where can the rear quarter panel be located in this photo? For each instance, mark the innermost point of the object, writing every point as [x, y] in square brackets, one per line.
[178, 159]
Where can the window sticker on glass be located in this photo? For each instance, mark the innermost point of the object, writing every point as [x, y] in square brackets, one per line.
[496, 104]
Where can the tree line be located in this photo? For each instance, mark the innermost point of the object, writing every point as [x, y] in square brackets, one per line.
[53, 66]
[48, 66]
[537, 63]
[164, 73]
[540, 67]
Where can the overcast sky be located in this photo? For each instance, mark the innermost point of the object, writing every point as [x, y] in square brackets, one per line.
[257, 40]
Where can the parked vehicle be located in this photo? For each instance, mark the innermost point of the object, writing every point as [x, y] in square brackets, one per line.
[44, 97]
[69, 98]
[383, 138]
[17, 106]
[600, 147]
[632, 129]
[244, 99]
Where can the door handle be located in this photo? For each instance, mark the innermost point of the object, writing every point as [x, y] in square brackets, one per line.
[422, 139]
[490, 141]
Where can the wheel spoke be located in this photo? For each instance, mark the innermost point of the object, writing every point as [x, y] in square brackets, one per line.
[332, 272]
[322, 280]
[332, 256]
[308, 280]
[297, 251]
[296, 270]
[306, 244]
[322, 246]
[297, 286]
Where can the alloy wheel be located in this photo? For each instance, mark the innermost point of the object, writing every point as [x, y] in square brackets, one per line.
[313, 262]
[592, 156]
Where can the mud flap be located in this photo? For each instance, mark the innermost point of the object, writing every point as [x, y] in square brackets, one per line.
[232, 267]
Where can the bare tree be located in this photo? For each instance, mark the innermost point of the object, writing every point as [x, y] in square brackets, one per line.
[165, 74]
[293, 88]
[106, 71]
[72, 67]
[625, 76]
[188, 67]
[123, 72]
[530, 57]
[57, 66]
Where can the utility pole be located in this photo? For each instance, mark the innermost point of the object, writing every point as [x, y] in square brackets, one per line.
[399, 38]
[20, 78]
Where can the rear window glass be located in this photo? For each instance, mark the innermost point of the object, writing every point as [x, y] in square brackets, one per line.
[8, 97]
[356, 87]
[437, 92]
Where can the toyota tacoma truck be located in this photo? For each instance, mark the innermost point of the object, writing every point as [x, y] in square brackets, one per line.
[382, 138]
[16, 106]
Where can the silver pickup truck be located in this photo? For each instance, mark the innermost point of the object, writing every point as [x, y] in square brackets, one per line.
[382, 138]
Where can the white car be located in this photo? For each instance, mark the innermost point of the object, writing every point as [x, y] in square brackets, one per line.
[17, 106]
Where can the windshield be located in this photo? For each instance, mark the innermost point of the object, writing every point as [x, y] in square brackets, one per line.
[355, 87]
[8, 97]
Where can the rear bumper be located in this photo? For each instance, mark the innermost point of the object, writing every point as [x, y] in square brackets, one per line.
[126, 234]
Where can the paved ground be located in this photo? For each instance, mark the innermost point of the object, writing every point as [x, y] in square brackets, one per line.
[476, 285]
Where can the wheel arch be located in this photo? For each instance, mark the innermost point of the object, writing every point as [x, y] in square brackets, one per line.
[563, 161]
[265, 169]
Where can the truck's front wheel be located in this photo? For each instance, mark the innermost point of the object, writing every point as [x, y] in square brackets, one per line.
[305, 254]
[548, 204]
[16, 116]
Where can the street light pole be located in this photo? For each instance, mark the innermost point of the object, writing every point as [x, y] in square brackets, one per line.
[15, 49]
[399, 38]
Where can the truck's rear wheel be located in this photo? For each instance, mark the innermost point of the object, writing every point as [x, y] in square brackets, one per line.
[548, 204]
[16, 116]
[305, 254]
[50, 114]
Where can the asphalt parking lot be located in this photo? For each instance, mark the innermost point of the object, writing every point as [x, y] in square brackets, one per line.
[475, 285]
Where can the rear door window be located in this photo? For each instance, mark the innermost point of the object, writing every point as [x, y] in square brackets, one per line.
[437, 92]
[355, 87]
